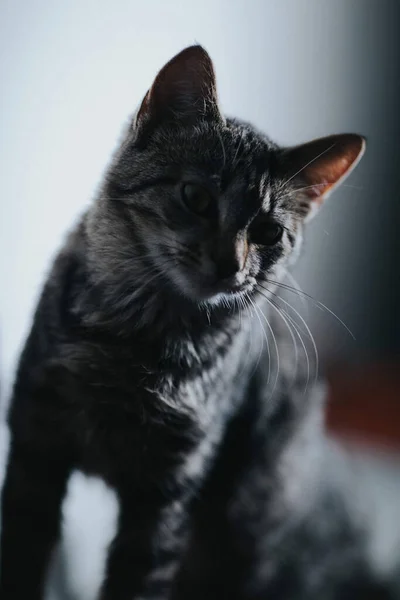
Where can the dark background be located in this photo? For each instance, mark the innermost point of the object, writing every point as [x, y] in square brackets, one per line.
[360, 278]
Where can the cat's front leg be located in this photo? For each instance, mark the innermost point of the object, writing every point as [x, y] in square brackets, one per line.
[145, 554]
[31, 503]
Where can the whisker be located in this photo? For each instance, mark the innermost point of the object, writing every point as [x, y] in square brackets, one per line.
[223, 147]
[310, 335]
[262, 339]
[248, 307]
[310, 163]
[276, 350]
[242, 307]
[317, 303]
[297, 287]
[234, 162]
[297, 329]
[280, 313]
[308, 187]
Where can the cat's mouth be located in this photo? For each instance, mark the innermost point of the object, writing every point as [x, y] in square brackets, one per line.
[211, 291]
[200, 287]
[234, 289]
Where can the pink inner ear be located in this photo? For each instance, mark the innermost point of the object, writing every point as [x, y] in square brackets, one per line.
[321, 164]
[326, 174]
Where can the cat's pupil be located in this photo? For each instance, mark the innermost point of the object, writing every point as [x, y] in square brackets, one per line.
[196, 198]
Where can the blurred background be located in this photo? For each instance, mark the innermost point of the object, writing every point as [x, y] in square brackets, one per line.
[71, 73]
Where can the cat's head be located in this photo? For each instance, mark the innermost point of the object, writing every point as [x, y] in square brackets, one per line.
[204, 208]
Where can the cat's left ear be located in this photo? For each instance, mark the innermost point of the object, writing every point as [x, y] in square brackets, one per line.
[184, 92]
[317, 168]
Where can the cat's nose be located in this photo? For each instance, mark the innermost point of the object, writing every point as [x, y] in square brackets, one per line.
[230, 259]
[227, 270]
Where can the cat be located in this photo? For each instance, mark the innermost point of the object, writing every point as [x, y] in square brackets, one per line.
[147, 363]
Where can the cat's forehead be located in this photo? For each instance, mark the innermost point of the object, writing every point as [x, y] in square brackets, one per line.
[234, 154]
[247, 169]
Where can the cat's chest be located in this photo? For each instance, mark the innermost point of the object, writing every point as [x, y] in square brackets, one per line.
[211, 399]
[165, 422]
[210, 390]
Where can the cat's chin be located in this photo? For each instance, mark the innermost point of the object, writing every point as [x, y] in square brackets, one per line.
[211, 292]
[229, 299]
[220, 297]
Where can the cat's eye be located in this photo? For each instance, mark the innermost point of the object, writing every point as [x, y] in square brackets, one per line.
[196, 198]
[266, 233]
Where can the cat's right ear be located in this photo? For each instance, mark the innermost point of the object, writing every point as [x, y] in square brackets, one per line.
[183, 92]
[317, 168]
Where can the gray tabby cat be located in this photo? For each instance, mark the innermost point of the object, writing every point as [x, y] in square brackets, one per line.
[144, 366]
